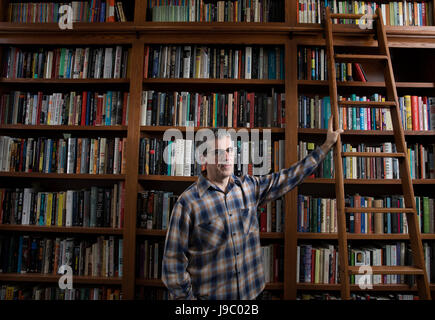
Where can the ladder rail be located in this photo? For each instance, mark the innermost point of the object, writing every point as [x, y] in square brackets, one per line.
[339, 180]
[404, 168]
[399, 138]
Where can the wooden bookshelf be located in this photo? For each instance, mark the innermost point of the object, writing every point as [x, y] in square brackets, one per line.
[136, 34]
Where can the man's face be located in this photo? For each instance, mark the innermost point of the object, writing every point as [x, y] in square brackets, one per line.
[220, 158]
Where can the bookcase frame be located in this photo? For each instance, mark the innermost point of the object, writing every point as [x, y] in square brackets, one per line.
[137, 34]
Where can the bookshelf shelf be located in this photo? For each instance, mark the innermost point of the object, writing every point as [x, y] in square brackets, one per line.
[162, 233]
[353, 236]
[350, 28]
[64, 81]
[22, 127]
[374, 84]
[143, 177]
[213, 82]
[55, 229]
[158, 283]
[51, 27]
[63, 176]
[366, 181]
[322, 132]
[354, 287]
[49, 278]
[164, 128]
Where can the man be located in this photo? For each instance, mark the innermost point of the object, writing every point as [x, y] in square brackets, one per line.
[212, 248]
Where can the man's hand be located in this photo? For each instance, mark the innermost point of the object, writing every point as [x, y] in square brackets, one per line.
[331, 136]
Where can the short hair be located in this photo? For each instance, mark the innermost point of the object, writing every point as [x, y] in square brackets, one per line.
[218, 133]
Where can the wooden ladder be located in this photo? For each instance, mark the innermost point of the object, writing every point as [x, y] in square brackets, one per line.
[418, 269]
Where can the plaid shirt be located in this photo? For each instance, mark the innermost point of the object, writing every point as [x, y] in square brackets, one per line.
[212, 248]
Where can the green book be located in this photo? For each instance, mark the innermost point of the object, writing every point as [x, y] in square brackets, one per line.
[426, 221]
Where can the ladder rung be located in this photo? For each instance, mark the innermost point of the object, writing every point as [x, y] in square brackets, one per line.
[369, 104]
[349, 16]
[388, 270]
[373, 154]
[360, 57]
[379, 210]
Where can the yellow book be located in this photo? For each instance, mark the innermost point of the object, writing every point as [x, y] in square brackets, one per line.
[198, 63]
[400, 14]
[317, 267]
[61, 198]
[408, 121]
[41, 157]
[356, 10]
[214, 110]
[49, 207]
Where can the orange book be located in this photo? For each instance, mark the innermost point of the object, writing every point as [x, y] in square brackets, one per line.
[357, 202]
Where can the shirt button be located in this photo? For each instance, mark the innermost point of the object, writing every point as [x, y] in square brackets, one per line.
[234, 233]
[237, 253]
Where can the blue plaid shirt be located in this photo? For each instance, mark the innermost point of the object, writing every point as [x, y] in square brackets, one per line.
[212, 248]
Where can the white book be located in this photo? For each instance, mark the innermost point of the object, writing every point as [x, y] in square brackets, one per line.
[34, 107]
[27, 198]
[108, 52]
[118, 57]
[71, 155]
[388, 148]
[188, 158]
[230, 110]
[187, 53]
[248, 62]
[69, 208]
[179, 157]
[48, 65]
[76, 64]
[298, 258]
[102, 155]
[28, 154]
[143, 109]
[116, 156]
[326, 265]
[85, 63]
[91, 156]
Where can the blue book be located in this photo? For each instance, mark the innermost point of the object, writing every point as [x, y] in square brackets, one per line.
[103, 12]
[300, 201]
[108, 116]
[272, 64]
[388, 215]
[352, 217]
[327, 101]
[169, 157]
[42, 210]
[363, 217]
[20, 254]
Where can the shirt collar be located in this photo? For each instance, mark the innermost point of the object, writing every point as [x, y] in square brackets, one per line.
[203, 184]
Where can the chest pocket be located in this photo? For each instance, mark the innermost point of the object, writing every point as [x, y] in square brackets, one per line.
[212, 234]
[249, 220]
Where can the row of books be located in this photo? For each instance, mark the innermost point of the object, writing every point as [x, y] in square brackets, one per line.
[82, 11]
[238, 109]
[73, 108]
[149, 262]
[219, 11]
[394, 13]
[214, 62]
[317, 215]
[273, 262]
[319, 263]
[154, 209]
[312, 65]
[357, 296]
[71, 155]
[98, 257]
[180, 158]
[417, 113]
[421, 158]
[148, 293]
[326, 168]
[271, 216]
[39, 292]
[66, 63]
[94, 207]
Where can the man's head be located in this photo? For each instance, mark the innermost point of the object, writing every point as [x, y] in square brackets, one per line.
[219, 155]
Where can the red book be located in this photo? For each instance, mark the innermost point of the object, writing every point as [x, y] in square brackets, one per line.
[263, 218]
[84, 100]
[359, 75]
[414, 113]
[426, 110]
[357, 202]
[251, 99]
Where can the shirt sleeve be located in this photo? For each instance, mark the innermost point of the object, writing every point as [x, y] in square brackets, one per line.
[174, 265]
[272, 186]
